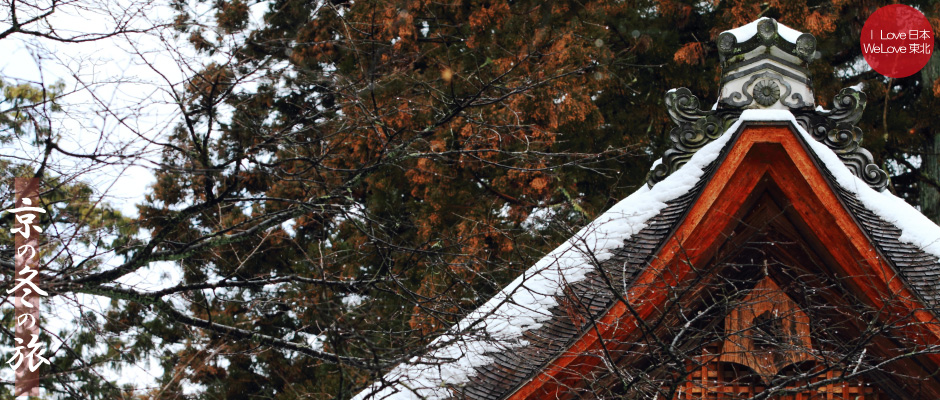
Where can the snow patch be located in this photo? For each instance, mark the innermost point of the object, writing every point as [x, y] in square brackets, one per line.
[353, 300]
[748, 31]
[656, 163]
[504, 211]
[538, 219]
[288, 227]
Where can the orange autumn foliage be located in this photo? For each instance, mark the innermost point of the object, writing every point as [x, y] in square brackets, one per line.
[691, 53]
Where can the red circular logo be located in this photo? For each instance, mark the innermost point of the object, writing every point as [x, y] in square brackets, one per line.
[897, 41]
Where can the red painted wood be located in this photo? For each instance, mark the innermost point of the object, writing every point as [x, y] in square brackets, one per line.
[776, 153]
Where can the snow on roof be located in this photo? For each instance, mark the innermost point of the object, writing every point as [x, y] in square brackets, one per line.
[915, 228]
[524, 304]
[748, 31]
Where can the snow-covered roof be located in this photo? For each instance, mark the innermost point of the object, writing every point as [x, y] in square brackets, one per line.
[498, 325]
[745, 32]
[472, 357]
[524, 304]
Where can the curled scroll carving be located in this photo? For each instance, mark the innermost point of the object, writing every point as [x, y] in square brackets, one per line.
[694, 129]
[837, 130]
[834, 128]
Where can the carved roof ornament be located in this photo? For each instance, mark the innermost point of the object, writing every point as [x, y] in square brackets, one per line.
[764, 66]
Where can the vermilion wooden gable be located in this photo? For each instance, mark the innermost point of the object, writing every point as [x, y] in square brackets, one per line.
[768, 176]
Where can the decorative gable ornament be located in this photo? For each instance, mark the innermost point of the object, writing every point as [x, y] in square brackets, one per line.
[764, 66]
[765, 214]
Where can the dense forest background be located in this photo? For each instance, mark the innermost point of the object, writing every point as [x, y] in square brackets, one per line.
[348, 179]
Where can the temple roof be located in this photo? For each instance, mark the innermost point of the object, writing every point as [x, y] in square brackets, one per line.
[505, 342]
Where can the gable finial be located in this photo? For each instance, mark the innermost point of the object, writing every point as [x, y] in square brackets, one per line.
[765, 66]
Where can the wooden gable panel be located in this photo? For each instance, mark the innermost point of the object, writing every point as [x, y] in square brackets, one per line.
[745, 346]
